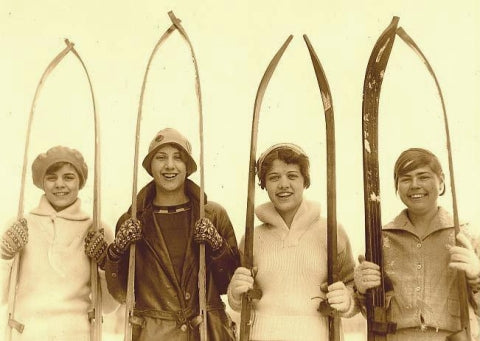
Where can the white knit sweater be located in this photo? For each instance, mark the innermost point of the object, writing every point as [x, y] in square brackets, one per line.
[292, 264]
[53, 292]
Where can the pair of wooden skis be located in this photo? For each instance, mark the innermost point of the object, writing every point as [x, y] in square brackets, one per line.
[96, 319]
[246, 313]
[378, 326]
[202, 273]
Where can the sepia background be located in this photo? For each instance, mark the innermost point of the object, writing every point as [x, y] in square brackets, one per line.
[234, 42]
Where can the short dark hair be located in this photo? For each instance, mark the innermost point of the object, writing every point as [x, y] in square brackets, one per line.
[288, 156]
[57, 165]
[414, 158]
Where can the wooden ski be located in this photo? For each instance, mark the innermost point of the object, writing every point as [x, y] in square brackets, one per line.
[96, 320]
[246, 318]
[464, 333]
[11, 322]
[130, 299]
[202, 271]
[377, 324]
[333, 320]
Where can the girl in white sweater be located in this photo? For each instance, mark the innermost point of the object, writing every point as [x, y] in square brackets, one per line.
[53, 295]
[290, 256]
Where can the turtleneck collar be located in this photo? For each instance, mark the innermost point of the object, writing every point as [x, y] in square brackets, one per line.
[72, 212]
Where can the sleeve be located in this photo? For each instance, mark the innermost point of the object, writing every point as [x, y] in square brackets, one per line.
[5, 268]
[116, 271]
[474, 285]
[227, 258]
[346, 266]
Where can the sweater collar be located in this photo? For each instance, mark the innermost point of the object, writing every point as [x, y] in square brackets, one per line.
[442, 220]
[72, 212]
[307, 214]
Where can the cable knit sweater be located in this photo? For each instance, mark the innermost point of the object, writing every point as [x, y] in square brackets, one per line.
[53, 293]
[292, 264]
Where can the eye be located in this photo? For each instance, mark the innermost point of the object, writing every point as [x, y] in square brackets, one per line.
[50, 177]
[177, 157]
[293, 176]
[69, 177]
[273, 177]
[160, 157]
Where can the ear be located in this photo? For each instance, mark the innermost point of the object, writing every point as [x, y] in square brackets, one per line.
[441, 186]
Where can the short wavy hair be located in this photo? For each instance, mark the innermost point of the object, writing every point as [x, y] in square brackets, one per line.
[414, 158]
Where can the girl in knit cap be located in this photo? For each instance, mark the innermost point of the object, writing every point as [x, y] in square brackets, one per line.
[420, 257]
[53, 296]
[167, 234]
[290, 256]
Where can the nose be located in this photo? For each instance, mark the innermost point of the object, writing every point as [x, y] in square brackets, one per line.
[283, 182]
[415, 183]
[59, 182]
[169, 163]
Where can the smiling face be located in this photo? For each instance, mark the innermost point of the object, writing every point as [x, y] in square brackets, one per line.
[285, 184]
[419, 190]
[61, 186]
[169, 170]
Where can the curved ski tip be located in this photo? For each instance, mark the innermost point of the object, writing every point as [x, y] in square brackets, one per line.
[395, 20]
[289, 39]
[173, 18]
[69, 43]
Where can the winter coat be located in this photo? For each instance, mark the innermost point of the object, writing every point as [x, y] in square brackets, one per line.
[166, 308]
[422, 295]
[292, 264]
[53, 295]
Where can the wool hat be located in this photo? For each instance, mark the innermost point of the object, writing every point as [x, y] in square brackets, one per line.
[293, 147]
[169, 136]
[58, 154]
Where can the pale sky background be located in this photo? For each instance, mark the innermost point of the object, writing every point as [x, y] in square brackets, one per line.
[234, 42]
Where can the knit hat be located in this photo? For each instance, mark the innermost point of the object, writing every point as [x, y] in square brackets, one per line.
[293, 147]
[169, 136]
[58, 154]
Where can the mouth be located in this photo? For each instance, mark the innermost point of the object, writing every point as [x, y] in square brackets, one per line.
[284, 195]
[60, 194]
[169, 176]
[417, 196]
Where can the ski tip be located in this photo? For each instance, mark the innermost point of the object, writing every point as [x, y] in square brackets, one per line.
[395, 20]
[69, 43]
[173, 18]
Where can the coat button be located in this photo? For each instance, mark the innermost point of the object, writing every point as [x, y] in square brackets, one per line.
[114, 275]
[419, 266]
[419, 245]
[183, 328]
[187, 296]
[417, 289]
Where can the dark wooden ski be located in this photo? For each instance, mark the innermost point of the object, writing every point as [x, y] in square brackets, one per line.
[464, 332]
[246, 318]
[333, 321]
[377, 324]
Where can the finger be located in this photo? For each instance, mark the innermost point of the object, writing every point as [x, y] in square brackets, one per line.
[458, 266]
[361, 258]
[369, 265]
[369, 272]
[324, 287]
[337, 300]
[462, 239]
[336, 286]
[458, 257]
[243, 278]
[242, 270]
